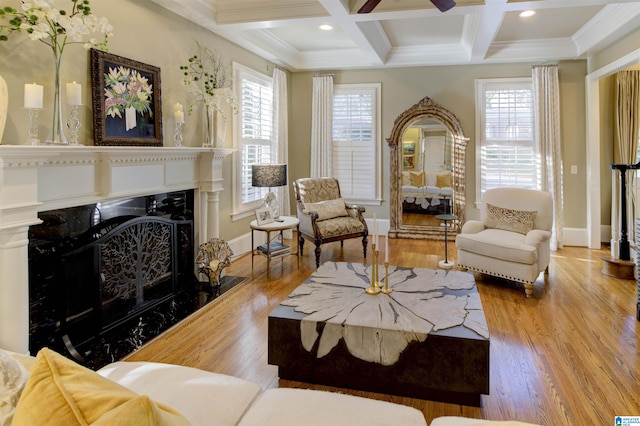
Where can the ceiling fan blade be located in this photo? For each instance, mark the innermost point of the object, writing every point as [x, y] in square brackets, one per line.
[368, 6]
[443, 5]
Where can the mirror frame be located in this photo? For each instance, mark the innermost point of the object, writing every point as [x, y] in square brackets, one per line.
[426, 108]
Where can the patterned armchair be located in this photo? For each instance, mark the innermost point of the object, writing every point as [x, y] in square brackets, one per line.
[213, 257]
[325, 217]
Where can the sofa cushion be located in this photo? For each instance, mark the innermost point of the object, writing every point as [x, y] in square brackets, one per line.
[500, 244]
[406, 179]
[203, 397]
[465, 421]
[431, 178]
[520, 221]
[284, 406]
[13, 377]
[61, 392]
[328, 209]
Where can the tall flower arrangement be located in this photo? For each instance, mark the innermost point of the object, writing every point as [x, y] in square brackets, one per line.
[56, 28]
[209, 80]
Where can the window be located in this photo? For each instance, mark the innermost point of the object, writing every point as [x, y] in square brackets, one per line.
[254, 135]
[356, 141]
[504, 125]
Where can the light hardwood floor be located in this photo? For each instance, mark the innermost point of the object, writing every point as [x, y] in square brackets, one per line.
[567, 356]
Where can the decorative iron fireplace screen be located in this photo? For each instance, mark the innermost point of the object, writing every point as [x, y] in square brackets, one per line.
[136, 269]
[85, 283]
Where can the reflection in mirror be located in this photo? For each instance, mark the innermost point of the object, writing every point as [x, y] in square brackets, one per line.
[427, 171]
[427, 157]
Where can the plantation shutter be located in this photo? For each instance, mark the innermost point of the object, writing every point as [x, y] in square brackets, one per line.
[257, 138]
[507, 153]
[354, 139]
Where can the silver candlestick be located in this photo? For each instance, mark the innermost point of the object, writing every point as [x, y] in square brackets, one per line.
[177, 137]
[73, 124]
[33, 127]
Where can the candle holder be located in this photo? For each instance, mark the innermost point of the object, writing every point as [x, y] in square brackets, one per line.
[386, 289]
[32, 139]
[373, 287]
[73, 124]
[177, 137]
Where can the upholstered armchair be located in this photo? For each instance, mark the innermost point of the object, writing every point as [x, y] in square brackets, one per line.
[512, 240]
[213, 257]
[325, 217]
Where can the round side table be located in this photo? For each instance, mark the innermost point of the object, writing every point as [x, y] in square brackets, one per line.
[445, 264]
[284, 222]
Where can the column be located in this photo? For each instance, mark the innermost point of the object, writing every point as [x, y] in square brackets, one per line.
[213, 215]
[14, 289]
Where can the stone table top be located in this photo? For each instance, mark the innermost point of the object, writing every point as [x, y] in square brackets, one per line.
[377, 328]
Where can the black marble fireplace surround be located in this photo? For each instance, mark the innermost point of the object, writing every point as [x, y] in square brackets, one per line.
[105, 278]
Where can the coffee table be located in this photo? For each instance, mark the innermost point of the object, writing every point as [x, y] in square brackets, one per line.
[427, 339]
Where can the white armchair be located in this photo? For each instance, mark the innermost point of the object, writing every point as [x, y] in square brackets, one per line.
[512, 240]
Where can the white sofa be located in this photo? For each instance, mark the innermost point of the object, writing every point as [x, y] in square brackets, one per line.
[206, 398]
[512, 240]
[197, 397]
[426, 188]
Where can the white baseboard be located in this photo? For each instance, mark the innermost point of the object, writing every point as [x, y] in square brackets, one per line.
[576, 237]
[242, 244]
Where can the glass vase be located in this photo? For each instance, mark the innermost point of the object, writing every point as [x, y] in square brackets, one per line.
[56, 134]
[209, 127]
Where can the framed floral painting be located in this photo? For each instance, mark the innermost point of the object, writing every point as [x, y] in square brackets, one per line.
[126, 101]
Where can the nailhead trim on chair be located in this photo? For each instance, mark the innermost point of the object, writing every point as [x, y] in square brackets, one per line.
[528, 285]
[482, 271]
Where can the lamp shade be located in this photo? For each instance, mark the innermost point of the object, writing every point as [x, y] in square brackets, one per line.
[268, 175]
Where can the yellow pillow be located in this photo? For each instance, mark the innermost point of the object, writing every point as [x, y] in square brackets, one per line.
[61, 392]
[417, 179]
[443, 181]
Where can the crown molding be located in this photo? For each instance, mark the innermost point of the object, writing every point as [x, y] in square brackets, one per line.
[606, 26]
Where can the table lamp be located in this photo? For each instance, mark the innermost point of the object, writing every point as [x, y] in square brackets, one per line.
[269, 176]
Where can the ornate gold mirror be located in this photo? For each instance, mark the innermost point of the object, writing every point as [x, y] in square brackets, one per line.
[427, 171]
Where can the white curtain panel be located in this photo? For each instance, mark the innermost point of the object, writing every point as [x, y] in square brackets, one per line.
[627, 132]
[546, 107]
[321, 126]
[281, 127]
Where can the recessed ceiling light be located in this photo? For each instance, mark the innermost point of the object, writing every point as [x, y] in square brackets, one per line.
[527, 13]
[326, 27]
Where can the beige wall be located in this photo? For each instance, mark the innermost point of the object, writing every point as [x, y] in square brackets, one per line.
[453, 88]
[146, 33]
[619, 49]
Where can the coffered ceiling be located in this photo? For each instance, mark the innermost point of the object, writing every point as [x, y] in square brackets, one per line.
[401, 33]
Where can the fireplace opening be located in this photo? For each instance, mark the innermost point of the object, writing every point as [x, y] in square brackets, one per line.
[105, 278]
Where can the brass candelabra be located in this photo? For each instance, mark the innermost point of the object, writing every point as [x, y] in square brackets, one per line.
[376, 285]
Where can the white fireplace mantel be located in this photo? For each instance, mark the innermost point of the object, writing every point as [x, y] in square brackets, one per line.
[40, 178]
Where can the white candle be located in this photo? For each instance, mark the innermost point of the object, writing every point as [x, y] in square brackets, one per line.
[375, 230]
[179, 116]
[74, 93]
[177, 107]
[386, 249]
[33, 96]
